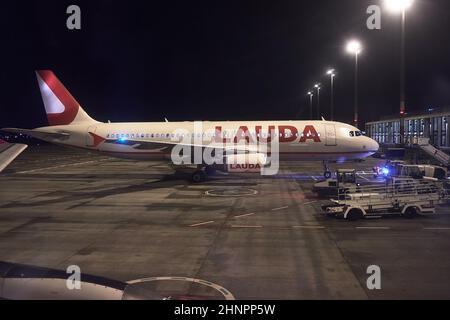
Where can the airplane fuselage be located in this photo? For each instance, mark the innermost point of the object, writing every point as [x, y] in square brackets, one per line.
[298, 140]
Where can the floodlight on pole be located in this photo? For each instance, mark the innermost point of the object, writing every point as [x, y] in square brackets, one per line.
[317, 86]
[398, 6]
[332, 74]
[354, 47]
[401, 6]
[311, 95]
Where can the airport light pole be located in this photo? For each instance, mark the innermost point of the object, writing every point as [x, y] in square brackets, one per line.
[311, 95]
[332, 74]
[401, 6]
[317, 86]
[354, 47]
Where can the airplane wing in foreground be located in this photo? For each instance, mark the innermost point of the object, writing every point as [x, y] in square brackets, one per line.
[8, 152]
[46, 134]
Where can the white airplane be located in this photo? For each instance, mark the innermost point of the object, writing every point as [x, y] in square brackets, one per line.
[309, 140]
[8, 152]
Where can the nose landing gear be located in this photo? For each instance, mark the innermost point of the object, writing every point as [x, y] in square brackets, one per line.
[327, 173]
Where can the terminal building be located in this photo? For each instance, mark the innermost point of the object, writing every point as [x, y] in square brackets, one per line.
[432, 125]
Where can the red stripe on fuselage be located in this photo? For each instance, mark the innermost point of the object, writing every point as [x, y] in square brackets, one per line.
[97, 139]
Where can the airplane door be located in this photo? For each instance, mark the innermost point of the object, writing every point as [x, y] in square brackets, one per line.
[89, 137]
[330, 132]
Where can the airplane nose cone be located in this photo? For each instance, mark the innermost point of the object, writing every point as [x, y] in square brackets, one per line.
[374, 146]
[371, 145]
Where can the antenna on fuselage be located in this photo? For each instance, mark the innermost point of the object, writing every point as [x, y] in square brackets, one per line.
[323, 119]
[165, 119]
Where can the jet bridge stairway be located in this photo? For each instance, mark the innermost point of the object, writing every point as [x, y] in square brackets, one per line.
[439, 155]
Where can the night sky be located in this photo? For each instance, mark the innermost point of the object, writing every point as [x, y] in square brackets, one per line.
[219, 60]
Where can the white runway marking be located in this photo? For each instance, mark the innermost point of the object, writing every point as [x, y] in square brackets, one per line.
[306, 203]
[244, 215]
[201, 224]
[226, 294]
[308, 227]
[374, 228]
[62, 166]
[236, 226]
[281, 208]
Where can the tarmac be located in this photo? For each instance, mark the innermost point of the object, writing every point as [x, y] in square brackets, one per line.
[251, 236]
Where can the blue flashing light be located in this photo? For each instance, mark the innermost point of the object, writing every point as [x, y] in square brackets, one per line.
[122, 140]
[385, 171]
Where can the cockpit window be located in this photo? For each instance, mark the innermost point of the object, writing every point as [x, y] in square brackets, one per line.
[357, 133]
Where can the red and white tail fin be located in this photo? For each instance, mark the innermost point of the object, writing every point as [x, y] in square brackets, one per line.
[60, 105]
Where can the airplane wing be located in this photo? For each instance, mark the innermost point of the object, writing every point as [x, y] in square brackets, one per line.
[43, 135]
[141, 144]
[8, 152]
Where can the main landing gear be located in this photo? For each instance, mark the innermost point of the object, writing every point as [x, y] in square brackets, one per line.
[327, 173]
[198, 176]
[202, 173]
